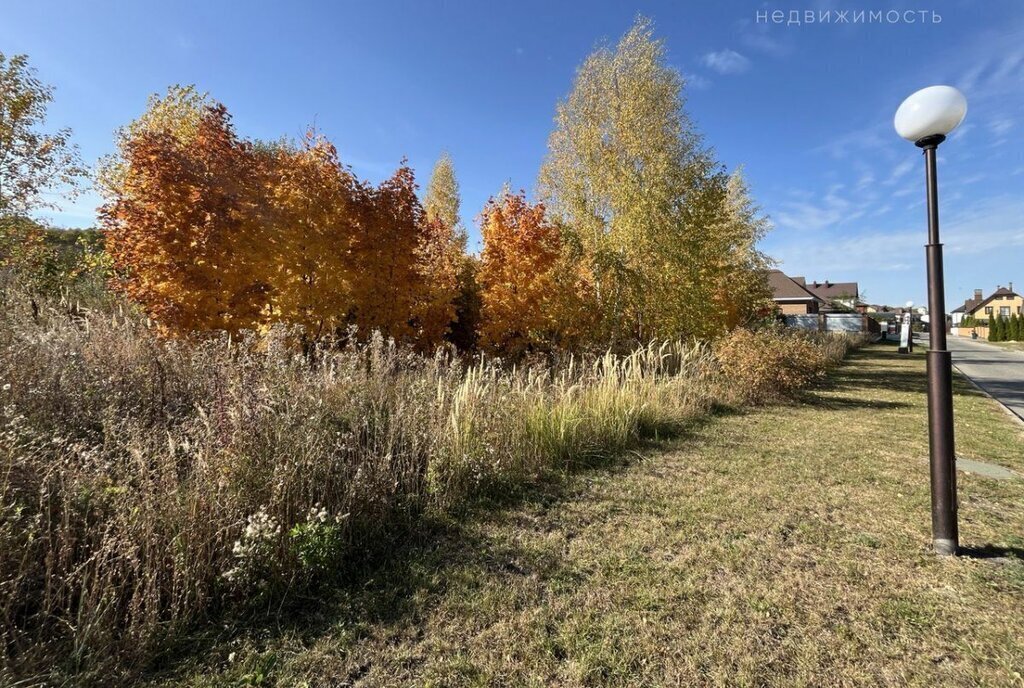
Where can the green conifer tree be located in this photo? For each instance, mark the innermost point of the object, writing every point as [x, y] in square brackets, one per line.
[993, 328]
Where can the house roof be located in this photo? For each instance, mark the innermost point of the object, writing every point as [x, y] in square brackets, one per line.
[1001, 291]
[969, 305]
[785, 288]
[833, 290]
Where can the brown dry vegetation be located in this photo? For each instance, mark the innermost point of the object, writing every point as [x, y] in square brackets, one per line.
[150, 487]
[778, 546]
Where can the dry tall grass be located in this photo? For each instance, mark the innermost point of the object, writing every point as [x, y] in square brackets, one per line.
[146, 485]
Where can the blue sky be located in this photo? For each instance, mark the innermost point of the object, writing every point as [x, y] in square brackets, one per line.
[806, 109]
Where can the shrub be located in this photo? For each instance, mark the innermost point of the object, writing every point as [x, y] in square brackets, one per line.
[772, 363]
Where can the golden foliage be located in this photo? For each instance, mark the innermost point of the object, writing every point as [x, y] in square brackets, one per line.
[667, 241]
[186, 227]
[211, 232]
[517, 275]
[648, 237]
[315, 204]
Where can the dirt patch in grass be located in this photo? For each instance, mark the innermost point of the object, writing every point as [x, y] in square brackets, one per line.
[784, 546]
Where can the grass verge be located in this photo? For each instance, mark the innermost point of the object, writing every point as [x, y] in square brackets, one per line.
[783, 546]
[1009, 346]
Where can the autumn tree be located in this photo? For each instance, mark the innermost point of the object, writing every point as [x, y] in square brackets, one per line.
[185, 230]
[209, 231]
[32, 162]
[401, 268]
[630, 181]
[442, 200]
[441, 264]
[742, 293]
[385, 248]
[517, 276]
[35, 168]
[178, 112]
[316, 207]
[443, 260]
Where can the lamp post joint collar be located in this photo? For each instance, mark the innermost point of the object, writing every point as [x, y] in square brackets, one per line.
[932, 141]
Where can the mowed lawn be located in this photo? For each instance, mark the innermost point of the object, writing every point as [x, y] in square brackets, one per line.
[1010, 346]
[779, 546]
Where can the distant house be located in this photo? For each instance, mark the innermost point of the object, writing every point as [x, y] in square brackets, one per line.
[838, 296]
[970, 304]
[1002, 303]
[791, 296]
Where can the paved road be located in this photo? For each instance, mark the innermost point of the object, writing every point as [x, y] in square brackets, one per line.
[998, 371]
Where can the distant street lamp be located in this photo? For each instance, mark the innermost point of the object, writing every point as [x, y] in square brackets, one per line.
[925, 118]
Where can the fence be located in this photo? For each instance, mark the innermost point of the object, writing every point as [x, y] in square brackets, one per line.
[982, 331]
[834, 322]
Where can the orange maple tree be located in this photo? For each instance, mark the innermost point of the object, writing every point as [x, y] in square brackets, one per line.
[384, 249]
[517, 275]
[315, 209]
[184, 230]
[211, 232]
[440, 263]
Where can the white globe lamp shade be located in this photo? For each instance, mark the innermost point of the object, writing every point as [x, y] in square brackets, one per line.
[932, 111]
[910, 304]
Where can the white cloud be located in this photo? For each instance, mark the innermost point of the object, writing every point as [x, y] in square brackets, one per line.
[184, 43]
[726, 62]
[696, 81]
[901, 170]
[978, 228]
[996, 76]
[874, 137]
[972, 231]
[1001, 125]
[961, 131]
[1009, 66]
[849, 254]
[807, 216]
[759, 37]
[763, 37]
[867, 179]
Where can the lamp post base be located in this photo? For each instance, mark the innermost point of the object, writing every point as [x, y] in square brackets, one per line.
[942, 458]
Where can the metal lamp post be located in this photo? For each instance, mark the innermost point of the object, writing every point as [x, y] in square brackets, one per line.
[925, 118]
